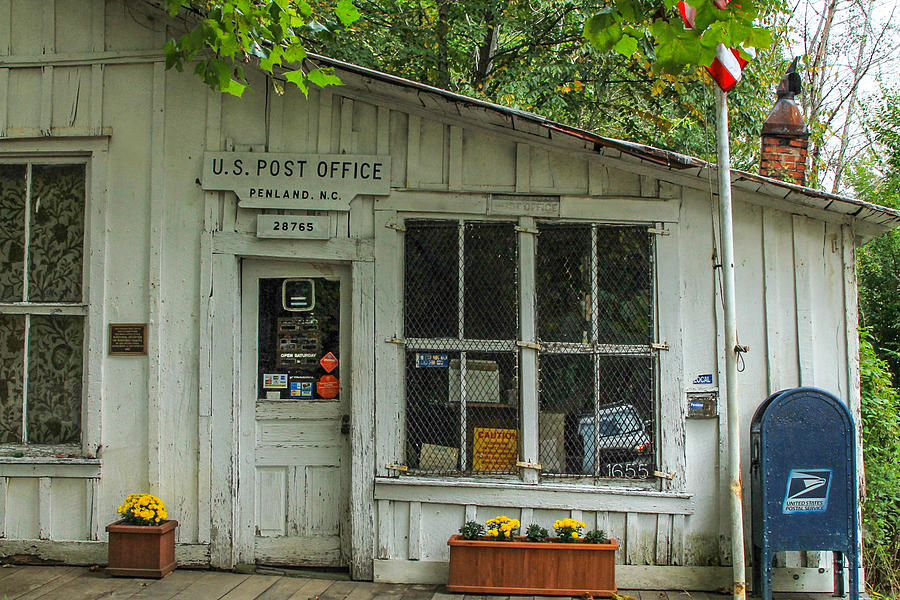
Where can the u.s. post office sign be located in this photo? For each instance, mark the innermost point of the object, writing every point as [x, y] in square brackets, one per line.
[296, 181]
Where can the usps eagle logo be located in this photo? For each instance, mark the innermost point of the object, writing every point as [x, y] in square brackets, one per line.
[807, 491]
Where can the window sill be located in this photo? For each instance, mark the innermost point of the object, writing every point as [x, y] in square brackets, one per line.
[564, 496]
[49, 466]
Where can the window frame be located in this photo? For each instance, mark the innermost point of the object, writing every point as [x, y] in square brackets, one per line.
[92, 153]
[528, 369]
[465, 345]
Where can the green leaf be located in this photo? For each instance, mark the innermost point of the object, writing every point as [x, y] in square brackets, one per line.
[759, 38]
[323, 77]
[274, 58]
[346, 12]
[298, 78]
[626, 46]
[603, 30]
[235, 88]
[597, 23]
[629, 10]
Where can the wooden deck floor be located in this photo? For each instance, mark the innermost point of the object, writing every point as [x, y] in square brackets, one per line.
[81, 583]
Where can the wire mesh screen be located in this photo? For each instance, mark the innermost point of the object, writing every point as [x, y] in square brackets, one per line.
[461, 324]
[595, 323]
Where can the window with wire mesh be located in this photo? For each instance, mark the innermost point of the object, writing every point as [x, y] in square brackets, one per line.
[461, 325]
[594, 295]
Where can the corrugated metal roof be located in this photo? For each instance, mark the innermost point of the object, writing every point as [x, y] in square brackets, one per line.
[880, 216]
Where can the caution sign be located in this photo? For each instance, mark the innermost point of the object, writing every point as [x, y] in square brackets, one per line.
[495, 449]
[807, 491]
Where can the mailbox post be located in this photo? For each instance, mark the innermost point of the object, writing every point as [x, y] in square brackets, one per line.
[803, 483]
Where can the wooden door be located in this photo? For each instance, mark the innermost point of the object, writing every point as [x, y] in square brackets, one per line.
[294, 457]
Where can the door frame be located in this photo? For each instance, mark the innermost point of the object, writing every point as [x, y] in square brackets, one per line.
[220, 361]
[253, 270]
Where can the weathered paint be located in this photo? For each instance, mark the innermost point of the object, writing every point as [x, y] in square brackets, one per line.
[86, 78]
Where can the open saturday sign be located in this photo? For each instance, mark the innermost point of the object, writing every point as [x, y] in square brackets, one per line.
[296, 181]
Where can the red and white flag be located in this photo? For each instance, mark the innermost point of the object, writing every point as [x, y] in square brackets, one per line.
[727, 67]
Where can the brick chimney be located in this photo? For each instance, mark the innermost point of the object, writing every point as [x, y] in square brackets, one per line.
[785, 137]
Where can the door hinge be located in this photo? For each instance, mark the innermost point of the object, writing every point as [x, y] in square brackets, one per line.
[662, 475]
[530, 230]
[401, 468]
[659, 346]
[656, 231]
[531, 345]
[395, 226]
[395, 340]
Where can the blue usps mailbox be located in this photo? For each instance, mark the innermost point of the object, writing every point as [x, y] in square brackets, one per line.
[803, 483]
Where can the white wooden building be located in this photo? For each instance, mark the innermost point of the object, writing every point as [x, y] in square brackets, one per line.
[487, 387]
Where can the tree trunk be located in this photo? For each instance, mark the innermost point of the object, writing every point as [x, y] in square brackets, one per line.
[443, 30]
[485, 52]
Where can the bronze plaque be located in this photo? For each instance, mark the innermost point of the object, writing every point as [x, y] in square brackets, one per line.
[127, 339]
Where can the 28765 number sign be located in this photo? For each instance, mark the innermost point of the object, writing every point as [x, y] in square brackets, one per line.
[293, 227]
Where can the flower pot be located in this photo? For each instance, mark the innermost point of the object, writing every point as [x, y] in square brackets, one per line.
[532, 568]
[141, 550]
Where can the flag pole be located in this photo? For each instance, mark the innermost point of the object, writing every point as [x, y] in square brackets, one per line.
[726, 237]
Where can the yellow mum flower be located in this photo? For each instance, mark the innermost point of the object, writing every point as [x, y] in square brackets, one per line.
[574, 534]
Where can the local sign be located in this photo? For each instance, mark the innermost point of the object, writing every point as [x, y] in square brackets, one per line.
[297, 181]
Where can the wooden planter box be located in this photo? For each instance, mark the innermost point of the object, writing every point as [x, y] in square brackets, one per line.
[532, 568]
[141, 550]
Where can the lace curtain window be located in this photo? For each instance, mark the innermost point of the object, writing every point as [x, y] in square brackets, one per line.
[41, 302]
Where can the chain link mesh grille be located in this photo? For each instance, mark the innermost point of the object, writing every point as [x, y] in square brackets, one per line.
[594, 302]
[462, 388]
[595, 323]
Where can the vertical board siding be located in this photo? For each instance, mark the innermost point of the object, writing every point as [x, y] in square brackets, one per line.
[4, 100]
[388, 356]
[4, 488]
[781, 328]
[70, 509]
[430, 164]
[71, 98]
[45, 511]
[498, 173]
[184, 131]
[415, 531]
[130, 27]
[420, 530]
[73, 19]
[127, 93]
[24, 107]
[26, 24]
[5, 26]
[803, 285]
[385, 542]
[23, 508]
[670, 380]
[362, 416]
[413, 141]
[213, 142]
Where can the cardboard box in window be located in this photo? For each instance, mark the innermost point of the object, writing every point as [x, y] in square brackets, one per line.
[482, 382]
[438, 458]
[551, 442]
[495, 449]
